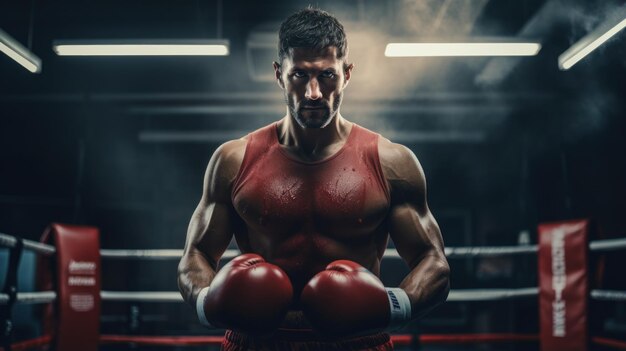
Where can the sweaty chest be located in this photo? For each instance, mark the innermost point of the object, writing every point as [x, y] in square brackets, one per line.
[285, 197]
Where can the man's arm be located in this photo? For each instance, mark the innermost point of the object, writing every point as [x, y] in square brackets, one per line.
[212, 223]
[414, 230]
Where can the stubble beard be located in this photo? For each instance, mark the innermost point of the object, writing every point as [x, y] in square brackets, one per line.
[313, 123]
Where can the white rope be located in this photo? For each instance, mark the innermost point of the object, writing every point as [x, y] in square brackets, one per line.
[608, 244]
[462, 295]
[608, 295]
[451, 252]
[174, 296]
[164, 254]
[30, 297]
[41, 297]
[142, 296]
[491, 294]
[154, 254]
[44, 249]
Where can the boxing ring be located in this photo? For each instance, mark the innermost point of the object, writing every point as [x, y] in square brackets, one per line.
[55, 324]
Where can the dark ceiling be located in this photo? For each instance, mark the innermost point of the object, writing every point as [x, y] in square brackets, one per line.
[370, 23]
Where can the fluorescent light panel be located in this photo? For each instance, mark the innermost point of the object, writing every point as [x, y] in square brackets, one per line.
[142, 48]
[19, 53]
[461, 49]
[590, 42]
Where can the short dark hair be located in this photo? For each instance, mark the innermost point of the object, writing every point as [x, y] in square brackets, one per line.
[311, 28]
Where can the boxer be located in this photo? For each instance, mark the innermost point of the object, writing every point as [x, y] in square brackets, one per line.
[311, 201]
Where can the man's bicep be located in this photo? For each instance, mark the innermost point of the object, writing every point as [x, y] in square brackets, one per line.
[211, 226]
[412, 227]
[210, 231]
[415, 233]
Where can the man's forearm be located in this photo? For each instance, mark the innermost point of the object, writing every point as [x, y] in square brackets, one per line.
[194, 273]
[427, 284]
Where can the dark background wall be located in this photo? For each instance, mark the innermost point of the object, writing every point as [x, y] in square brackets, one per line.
[122, 143]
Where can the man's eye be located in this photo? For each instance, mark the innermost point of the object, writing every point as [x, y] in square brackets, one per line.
[299, 74]
[328, 74]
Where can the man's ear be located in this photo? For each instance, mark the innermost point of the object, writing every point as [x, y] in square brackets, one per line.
[278, 73]
[347, 74]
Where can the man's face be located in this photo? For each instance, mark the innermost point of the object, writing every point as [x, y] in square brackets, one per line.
[313, 81]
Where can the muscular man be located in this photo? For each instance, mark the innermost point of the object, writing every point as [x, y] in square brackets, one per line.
[312, 200]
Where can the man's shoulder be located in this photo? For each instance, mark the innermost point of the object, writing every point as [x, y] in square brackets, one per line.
[226, 161]
[229, 156]
[399, 164]
[232, 148]
[390, 151]
[393, 154]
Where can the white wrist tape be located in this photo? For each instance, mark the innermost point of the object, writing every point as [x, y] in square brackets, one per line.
[400, 307]
[200, 307]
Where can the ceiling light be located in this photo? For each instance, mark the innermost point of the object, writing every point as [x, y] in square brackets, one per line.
[461, 49]
[593, 40]
[19, 53]
[141, 48]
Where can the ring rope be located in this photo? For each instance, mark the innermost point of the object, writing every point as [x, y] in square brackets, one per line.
[143, 296]
[608, 295]
[37, 342]
[475, 251]
[614, 343]
[44, 249]
[141, 254]
[607, 244]
[459, 295]
[491, 294]
[162, 340]
[400, 339]
[36, 297]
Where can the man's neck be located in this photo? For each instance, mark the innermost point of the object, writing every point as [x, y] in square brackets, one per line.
[312, 144]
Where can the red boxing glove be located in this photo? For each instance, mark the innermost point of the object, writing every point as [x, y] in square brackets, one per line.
[348, 300]
[247, 294]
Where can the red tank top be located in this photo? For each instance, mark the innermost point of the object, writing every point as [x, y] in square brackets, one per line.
[303, 215]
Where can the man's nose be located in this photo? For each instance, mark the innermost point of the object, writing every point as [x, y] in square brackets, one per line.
[313, 91]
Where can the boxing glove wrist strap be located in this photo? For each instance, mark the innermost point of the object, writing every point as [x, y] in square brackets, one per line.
[200, 307]
[400, 307]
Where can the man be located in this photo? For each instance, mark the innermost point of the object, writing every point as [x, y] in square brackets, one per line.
[312, 200]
